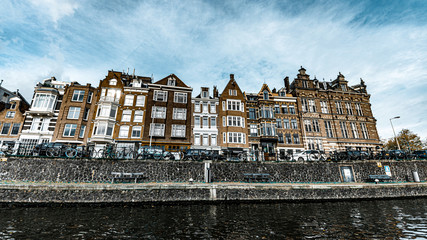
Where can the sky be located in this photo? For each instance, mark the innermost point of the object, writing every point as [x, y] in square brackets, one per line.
[203, 42]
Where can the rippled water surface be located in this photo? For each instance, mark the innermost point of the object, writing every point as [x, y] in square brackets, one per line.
[345, 220]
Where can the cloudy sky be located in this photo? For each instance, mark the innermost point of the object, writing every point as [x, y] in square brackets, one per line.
[202, 42]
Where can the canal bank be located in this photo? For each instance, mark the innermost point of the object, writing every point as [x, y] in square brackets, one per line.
[47, 193]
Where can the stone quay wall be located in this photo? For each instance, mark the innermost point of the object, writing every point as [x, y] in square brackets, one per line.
[89, 170]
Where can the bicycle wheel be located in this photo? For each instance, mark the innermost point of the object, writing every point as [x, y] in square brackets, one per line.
[52, 152]
[71, 153]
[101, 153]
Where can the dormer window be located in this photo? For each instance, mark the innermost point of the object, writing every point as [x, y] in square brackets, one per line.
[265, 95]
[304, 84]
[113, 82]
[282, 94]
[171, 82]
[204, 94]
[13, 105]
[343, 87]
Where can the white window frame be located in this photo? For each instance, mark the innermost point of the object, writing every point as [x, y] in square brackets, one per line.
[197, 139]
[178, 130]
[124, 131]
[78, 95]
[8, 129]
[214, 140]
[157, 129]
[140, 101]
[129, 100]
[139, 116]
[180, 97]
[89, 97]
[74, 112]
[179, 114]
[69, 128]
[136, 129]
[160, 96]
[10, 114]
[126, 115]
[82, 131]
[158, 112]
[233, 105]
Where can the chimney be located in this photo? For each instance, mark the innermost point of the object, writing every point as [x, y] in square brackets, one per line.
[215, 92]
[231, 76]
[287, 84]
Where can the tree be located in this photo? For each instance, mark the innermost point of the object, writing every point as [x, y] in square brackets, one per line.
[407, 141]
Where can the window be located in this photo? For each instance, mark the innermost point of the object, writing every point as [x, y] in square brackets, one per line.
[128, 100]
[349, 109]
[294, 124]
[304, 105]
[291, 109]
[113, 112]
[78, 95]
[223, 121]
[89, 97]
[307, 125]
[104, 111]
[126, 116]
[265, 95]
[197, 106]
[280, 137]
[70, 130]
[267, 129]
[136, 132]
[180, 97]
[161, 96]
[171, 82]
[286, 124]
[328, 128]
[205, 122]
[205, 94]
[223, 106]
[343, 87]
[159, 112]
[213, 107]
[86, 114]
[13, 106]
[140, 100]
[213, 122]
[296, 139]
[277, 109]
[205, 140]
[5, 129]
[213, 140]
[253, 130]
[344, 130]
[339, 107]
[323, 107]
[311, 105]
[113, 82]
[358, 109]
[197, 139]
[365, 133]
[124, 132]
[304, 84]
[284, 109]
[252, 113]
[267, 112]
[44, 101]
[232, 92]
[157, 129]
[197, 121]
[279, 123]
[233, 105]
[236, 137]
[82, 131]
[10, 114]
[73, 113]
[235, 121]
[178, 130]
[354, 130]
[224, 137]
[205, 107]
[138, 116]
[316, 127]
[288, 138]
[179, 114]
[15, 129]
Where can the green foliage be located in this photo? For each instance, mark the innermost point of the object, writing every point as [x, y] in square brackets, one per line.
[407, 141]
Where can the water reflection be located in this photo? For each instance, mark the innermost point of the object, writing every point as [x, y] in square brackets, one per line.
[349, 220]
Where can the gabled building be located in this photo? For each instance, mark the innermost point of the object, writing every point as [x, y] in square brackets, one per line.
[205, 120]
[75, 114]
[120, 109]
[273, 123]
[334, 115]
[40, 119]
[233, 131]
[169, 114]
[12, 116]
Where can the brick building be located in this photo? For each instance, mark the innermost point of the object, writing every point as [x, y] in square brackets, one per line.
[169, 114]
[75, 114]
[334, 115]
[233, 131]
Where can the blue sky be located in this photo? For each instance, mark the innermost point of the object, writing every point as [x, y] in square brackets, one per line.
[202, 42]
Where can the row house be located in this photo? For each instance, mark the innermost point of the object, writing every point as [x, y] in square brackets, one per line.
[205, 119]
[233, 131]
[12, 115]
[75, 114]
[40, 120]
[334, 115]
[169, 115]
[273, 123]
[118, 115]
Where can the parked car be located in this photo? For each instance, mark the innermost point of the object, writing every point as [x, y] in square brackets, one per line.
[310, 155]
[420, 154]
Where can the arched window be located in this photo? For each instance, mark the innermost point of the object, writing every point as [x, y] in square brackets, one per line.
[266, 95]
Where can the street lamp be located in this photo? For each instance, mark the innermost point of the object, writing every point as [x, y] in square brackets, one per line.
[398, 146]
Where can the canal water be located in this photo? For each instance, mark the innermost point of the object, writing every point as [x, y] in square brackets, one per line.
[405, 219]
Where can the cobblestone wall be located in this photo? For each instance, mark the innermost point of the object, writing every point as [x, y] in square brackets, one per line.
[76, 170]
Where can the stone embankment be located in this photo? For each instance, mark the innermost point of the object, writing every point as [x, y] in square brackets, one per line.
[89, 181]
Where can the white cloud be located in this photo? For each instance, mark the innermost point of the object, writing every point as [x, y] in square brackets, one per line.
[56, 9]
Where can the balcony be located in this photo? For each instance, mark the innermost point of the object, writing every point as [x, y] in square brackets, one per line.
[41, 111]
[109, 99]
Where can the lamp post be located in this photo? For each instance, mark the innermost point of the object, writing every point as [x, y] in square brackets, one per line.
[397, 141]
